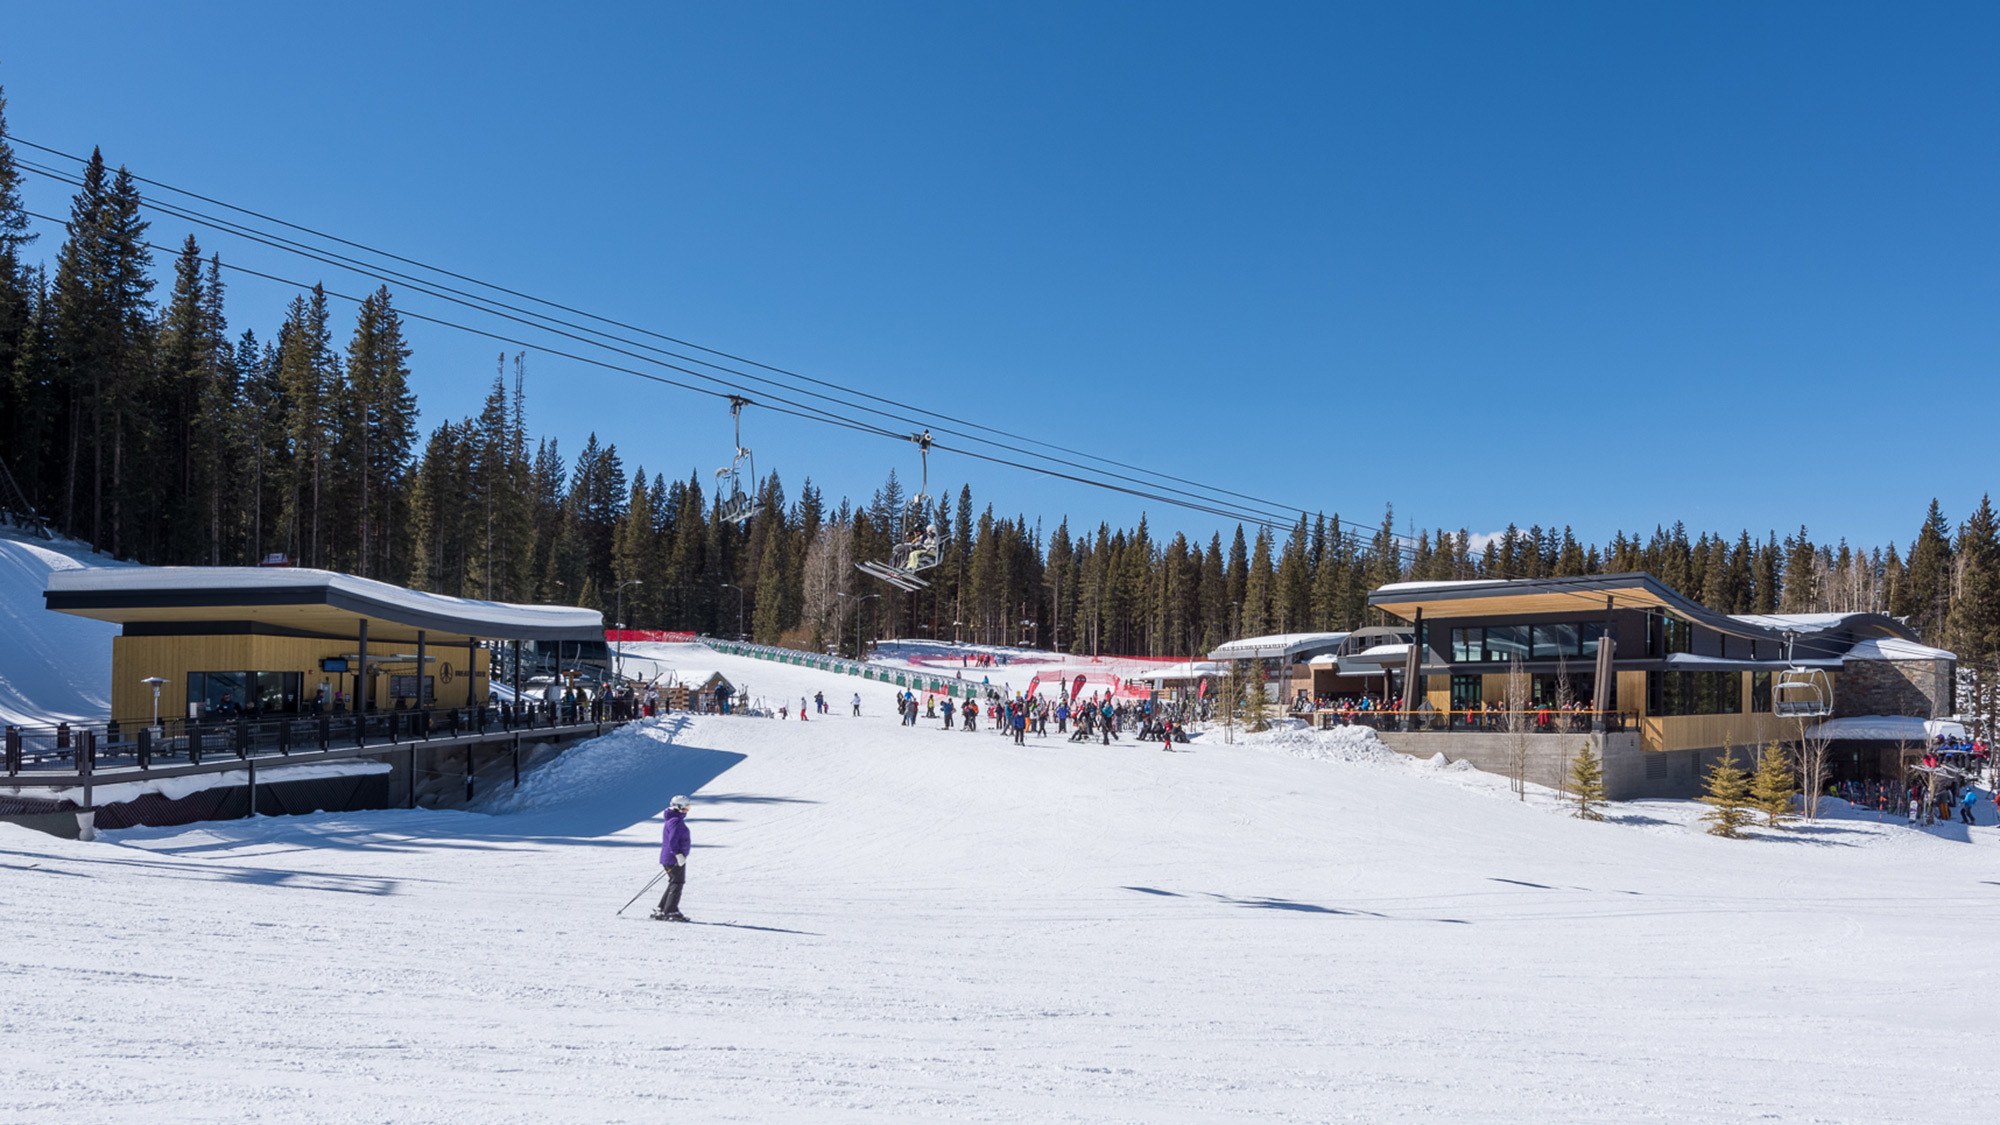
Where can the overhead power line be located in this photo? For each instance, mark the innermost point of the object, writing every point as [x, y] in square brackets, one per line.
[1212, 500]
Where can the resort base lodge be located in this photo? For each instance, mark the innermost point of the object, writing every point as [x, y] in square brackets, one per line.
[1663, 686]
[278, 640]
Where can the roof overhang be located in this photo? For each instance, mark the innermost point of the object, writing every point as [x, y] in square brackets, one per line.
[317, 602]
[1599, 592]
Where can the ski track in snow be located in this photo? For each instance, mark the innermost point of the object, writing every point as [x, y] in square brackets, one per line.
[920, 925]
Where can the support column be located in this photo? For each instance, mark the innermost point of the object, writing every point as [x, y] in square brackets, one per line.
[422, 667]
[517, 678]
[361, 680]
[471, 668]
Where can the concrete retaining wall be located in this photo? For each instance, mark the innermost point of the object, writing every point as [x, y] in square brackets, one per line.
[1629, 772]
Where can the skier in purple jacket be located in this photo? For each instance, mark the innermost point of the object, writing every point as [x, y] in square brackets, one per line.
[674, 844]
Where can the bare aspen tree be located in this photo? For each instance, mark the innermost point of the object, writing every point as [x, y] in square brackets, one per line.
[1812, 766]
[1517, 725]
[828, 564]
[1565, 726]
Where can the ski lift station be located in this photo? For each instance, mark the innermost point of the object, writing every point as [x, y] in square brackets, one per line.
[1661, 684]
[283, 640]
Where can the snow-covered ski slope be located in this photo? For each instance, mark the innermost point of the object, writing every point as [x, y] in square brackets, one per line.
[54, 667]
[918, 925]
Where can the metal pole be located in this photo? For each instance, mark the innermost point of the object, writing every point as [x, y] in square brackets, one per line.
[411, 762]
[252, 810]
[422, 667]
[361, 690]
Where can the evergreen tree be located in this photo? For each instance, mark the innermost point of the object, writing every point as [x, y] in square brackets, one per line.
[1927, 578]
[1586, 782]
[1728, 792]
[1772, 786]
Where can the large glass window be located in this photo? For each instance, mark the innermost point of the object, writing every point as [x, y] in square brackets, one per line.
[1694, 693]
[1760, 690]
[1679, 635]
[1587, 636]
[1556, 640]
[1468, 644]
[207, 692]
[1505, 642]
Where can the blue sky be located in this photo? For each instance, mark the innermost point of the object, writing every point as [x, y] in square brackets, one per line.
[1606, 265]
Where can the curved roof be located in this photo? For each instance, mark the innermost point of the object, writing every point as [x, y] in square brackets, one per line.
[310, 601]
[1813, 634]
[1276, 646]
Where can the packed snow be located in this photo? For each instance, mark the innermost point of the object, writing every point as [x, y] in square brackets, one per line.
[900, 924]
[57, 667]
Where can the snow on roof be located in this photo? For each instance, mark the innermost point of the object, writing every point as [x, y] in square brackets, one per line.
[1899, 728]
[176, 583]
[1398, 586]
[1185, 670]
[1277, 644]
[1798, 622]
[1896, 648]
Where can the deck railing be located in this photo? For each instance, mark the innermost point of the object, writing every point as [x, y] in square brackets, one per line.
[81, 750]
[1475, 721]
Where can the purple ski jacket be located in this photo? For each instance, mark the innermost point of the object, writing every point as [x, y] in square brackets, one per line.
[674, 841]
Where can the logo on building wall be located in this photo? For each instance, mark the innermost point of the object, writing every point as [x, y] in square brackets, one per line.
[444, 673]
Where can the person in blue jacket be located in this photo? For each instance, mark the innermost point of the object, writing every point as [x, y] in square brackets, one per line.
[1965, 804]
[674, 844]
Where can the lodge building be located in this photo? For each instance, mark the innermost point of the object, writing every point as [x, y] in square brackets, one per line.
[285, 641]
[1664, 684]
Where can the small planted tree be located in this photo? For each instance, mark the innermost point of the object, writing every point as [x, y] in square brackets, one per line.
[1729, 796]
[1771, 787]
[1254, 697]
[1586, 782]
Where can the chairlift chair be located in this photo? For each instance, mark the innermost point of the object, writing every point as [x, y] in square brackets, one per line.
[922, 547]
[1802, 693]
[734, 504]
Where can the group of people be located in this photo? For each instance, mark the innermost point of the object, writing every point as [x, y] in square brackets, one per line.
[1099, 717]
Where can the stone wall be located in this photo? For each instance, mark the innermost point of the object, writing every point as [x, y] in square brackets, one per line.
[1895, 687]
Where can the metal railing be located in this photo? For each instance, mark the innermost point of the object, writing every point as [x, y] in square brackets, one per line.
[74, 750]
[1536, 721]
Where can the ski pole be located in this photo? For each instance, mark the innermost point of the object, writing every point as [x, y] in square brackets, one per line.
[642, 891]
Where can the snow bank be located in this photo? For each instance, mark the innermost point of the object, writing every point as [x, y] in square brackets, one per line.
[54, 667]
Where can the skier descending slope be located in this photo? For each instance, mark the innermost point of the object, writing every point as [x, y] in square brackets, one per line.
[674, 843]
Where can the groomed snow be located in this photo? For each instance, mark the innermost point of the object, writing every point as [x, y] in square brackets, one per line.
[920, 925]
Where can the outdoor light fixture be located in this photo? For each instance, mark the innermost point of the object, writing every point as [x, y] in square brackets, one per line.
[156, 683]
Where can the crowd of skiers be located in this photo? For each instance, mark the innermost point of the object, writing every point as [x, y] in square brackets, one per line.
[1099, 717]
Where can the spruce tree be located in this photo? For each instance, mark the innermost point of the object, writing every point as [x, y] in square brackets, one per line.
[1772, 786]
[1927, 576]
[1728, 794]
[1586, 782]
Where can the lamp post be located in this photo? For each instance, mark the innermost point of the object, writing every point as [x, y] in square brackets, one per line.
[858, 654]
[739, 607]
[618, 662]
[156, 683]
[1032, 630]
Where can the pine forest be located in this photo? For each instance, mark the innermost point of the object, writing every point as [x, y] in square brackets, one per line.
[137, 418]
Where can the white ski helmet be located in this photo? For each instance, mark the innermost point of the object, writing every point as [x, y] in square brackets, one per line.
[678, 804]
